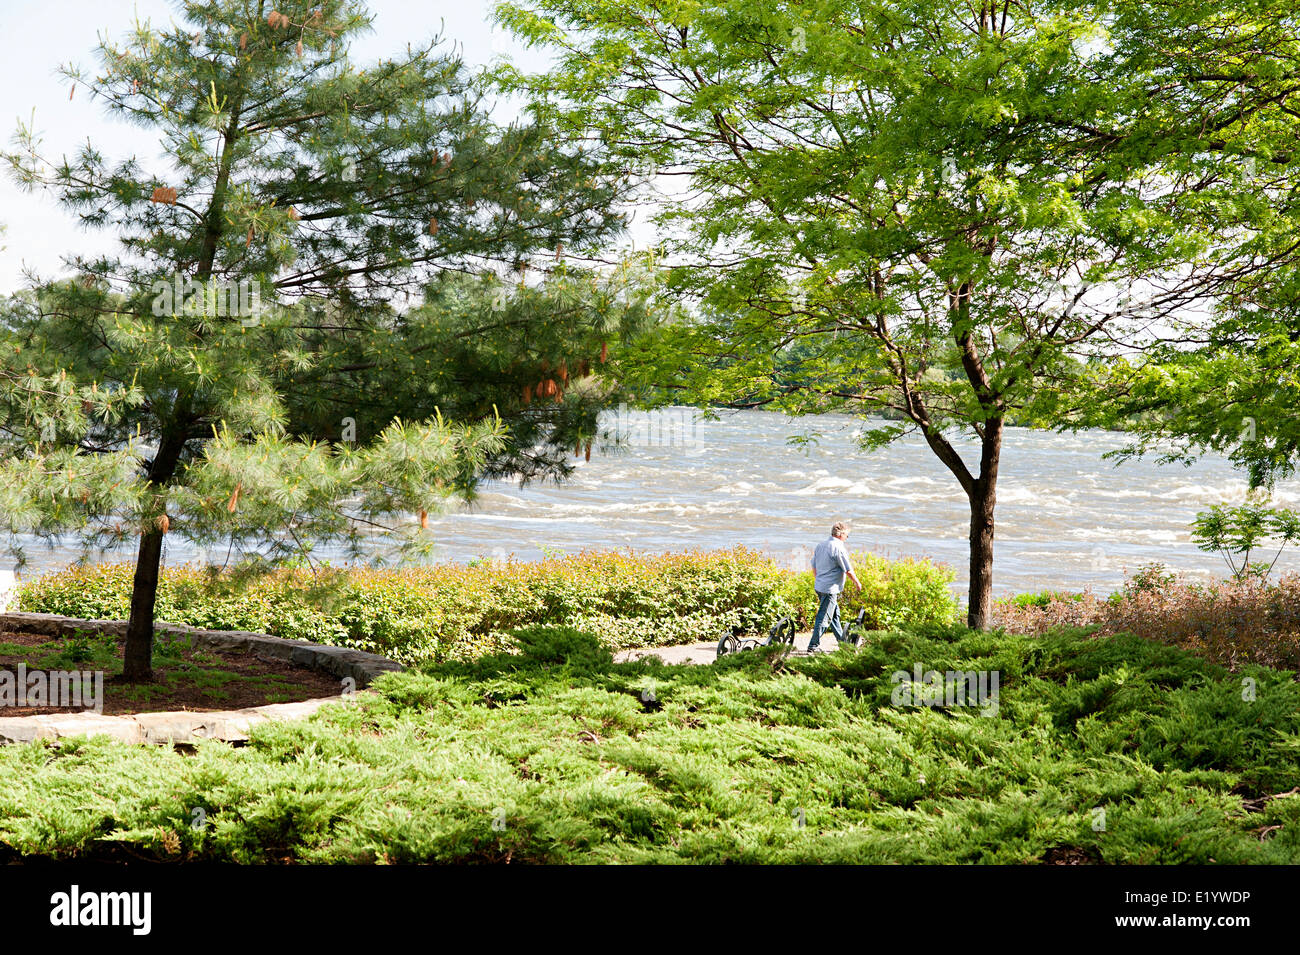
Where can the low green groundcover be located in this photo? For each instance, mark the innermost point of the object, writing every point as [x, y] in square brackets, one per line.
[1115, 750]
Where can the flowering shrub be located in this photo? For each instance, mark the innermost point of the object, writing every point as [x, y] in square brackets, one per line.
[1232, 622]
[447, 610]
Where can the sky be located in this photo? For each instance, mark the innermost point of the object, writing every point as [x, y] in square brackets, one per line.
[44, 34]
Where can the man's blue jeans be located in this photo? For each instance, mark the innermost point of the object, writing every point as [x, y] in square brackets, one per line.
[828, 615]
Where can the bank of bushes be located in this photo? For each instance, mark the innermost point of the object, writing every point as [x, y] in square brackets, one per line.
[452, 611]
[1231, 622]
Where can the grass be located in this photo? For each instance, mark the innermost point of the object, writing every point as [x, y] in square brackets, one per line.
[557, 754]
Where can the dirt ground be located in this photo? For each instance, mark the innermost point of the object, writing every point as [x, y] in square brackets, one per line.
[184, 679]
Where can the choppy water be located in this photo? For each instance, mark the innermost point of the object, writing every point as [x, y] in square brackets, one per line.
[1065, 517]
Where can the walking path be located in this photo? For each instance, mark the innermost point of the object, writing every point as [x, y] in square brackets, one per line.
[708, 652]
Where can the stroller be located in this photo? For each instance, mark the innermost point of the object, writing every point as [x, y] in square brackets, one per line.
[783, 631]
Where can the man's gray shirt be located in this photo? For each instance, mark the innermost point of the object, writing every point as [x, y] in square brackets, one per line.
[830, 565]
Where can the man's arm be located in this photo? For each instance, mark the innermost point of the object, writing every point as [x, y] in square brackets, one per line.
[847, 564]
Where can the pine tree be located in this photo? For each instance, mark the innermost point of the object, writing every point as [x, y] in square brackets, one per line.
[190, 385]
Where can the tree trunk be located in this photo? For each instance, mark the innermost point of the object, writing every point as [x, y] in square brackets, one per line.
[137, 656]
[981, 557]
[137, 660]
[983, 498]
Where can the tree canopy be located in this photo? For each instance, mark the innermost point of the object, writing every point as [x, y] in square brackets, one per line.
[875, 195]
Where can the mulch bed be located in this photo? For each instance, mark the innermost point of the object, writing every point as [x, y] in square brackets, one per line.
[201, 679]
[1070, 855]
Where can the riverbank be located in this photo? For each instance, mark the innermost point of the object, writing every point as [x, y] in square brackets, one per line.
[640, 601]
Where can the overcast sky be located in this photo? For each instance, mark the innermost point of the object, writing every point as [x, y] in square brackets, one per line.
[43, 34]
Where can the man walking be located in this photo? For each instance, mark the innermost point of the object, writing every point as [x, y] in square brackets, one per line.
[830, 564]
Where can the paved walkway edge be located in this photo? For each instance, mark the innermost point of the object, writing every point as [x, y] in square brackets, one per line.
[187, 725]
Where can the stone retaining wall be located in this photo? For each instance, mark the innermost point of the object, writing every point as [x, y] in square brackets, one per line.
[184, 725]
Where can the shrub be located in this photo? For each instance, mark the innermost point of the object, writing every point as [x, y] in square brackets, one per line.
[1237, 532]
[546, 643]
[1042, 599]
[894, 593]
[1232, 622]
[1046, 611]
[451, 611]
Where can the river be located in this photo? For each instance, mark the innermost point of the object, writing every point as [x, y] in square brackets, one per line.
[1065, 517]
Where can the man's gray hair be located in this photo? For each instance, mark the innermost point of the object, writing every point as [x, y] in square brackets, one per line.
[839, 529]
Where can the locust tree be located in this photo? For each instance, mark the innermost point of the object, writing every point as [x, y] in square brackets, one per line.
[1234, 388]
[947, 216]
[203, 381]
